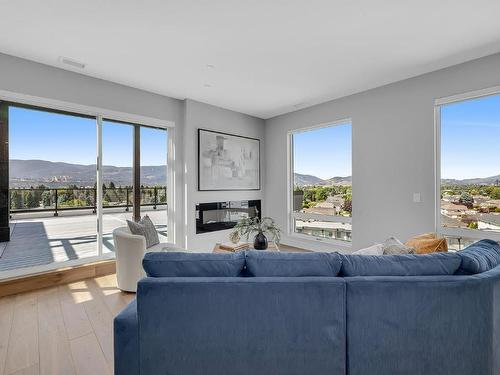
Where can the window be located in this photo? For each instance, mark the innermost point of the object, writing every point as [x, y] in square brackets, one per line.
[321, 199]
[468, 166]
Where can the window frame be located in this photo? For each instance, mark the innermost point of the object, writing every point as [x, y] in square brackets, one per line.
[438, 103]
[291, 215]
[98, 114]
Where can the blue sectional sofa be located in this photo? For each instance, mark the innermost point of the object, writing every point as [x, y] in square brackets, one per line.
[261, 313]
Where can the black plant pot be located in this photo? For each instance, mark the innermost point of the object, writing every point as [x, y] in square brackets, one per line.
[260, 242]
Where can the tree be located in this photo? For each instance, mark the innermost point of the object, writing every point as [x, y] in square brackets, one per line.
[16, 200]
[467, 200]
[473, 225]
[347, 205]
[46, 198]
[30, 200]
[320, 195]
[495, 192]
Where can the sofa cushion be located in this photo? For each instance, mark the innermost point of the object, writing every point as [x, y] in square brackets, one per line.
[182, 264]
[270, 263]
[479, 257]
[400, 265]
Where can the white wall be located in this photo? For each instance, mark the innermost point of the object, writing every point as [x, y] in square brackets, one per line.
[200, 115]
[393, 150]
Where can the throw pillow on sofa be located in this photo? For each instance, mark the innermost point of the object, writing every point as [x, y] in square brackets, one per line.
[393, 246]
[146, 228]
[377, 249]
[428, 243]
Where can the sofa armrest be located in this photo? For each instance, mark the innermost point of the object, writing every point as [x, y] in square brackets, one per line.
[126, 341]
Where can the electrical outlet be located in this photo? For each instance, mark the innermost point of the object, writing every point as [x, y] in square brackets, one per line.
[417, 198]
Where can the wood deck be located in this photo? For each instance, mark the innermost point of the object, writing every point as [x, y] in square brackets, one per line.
[61, 330]
[43, 240]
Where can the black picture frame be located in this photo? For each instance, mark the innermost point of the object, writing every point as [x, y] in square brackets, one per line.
[200, 188]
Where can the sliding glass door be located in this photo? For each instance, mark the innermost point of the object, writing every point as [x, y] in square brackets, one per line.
[154, 151]
[117, 178]
[71, 180]
[120, 141]
[52, 188]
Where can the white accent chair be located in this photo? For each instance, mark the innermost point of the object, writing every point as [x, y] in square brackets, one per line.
[129, 251]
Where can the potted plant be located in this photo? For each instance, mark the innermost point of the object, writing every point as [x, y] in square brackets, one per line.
[248, 226]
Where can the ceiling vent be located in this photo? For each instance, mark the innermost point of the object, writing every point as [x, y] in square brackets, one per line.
[71, 62]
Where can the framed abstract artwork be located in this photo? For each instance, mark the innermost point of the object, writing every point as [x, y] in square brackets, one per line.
[227, 161]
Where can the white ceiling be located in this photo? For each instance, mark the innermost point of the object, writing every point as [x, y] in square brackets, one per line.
[268, 55]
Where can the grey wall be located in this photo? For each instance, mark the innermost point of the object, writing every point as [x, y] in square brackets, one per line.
[393, 135]
[200, 115]
[29, 78]
[393, 149]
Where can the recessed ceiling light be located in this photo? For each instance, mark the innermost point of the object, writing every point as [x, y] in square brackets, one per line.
[207, 85]
[210, 66]
[71, 62]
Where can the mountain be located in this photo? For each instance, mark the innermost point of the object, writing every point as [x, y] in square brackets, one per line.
[347, 181]
[309, 180]
[26, 173]
[493, 180]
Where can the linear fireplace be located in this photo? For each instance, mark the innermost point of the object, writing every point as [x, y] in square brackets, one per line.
[215, 216]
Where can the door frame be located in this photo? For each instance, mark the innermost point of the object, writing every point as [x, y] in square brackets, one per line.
[58, 106]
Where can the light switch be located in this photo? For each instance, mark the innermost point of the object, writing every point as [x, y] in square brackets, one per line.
[417, 198]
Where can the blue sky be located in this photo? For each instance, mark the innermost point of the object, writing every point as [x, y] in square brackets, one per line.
[470, 138]
[324, 152]
[62, 138]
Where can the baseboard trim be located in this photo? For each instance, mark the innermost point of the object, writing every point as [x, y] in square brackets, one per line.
[56, 277]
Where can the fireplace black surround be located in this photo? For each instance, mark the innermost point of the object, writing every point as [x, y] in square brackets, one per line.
[215, 216]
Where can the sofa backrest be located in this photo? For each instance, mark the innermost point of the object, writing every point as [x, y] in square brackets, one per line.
[242, 326]
[267, 263]
[400, 265]
[479, 257]
[182, 264]
[248, 263]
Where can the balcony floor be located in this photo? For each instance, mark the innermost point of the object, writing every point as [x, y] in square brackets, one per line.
[40, 239]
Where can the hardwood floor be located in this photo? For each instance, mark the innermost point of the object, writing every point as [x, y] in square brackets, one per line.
[66, 329]
[56, 277]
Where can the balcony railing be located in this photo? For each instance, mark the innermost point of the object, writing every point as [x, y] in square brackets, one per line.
[60, 199]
